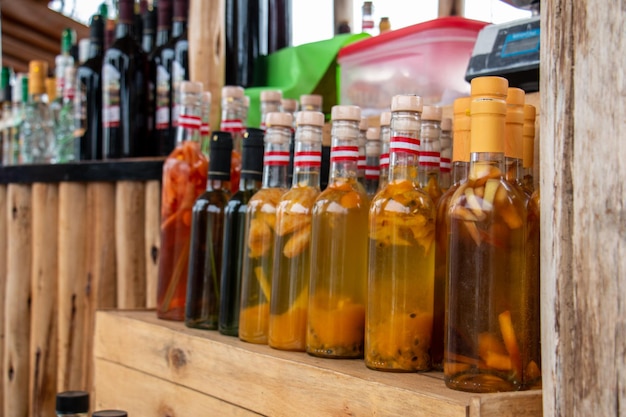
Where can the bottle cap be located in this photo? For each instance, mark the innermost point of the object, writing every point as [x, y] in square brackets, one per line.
[232, 91]
[528, 133]
[461, 133]
[220, 149]
[406, 103]
[461, 106]
[530, 113]
[346, 113]
[246, 101]
[181, 8]
[515, 96]
[431, 113]
[313, 118]
[37, 71]
[68, 38]
[51, 89]
[489, 87]
[72, 402]
[446, 124]
[385, 118]
[487, 126]
[373, 133]
[278, 119]
[110, 413]
[96, 28]
[271, 95]
[252, 154]
[364, 123]
[312, 100]
[192, 87]
[289, 105]
[126, 9]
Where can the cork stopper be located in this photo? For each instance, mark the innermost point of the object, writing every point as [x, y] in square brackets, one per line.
[446, 124]
[232, 91]
[385, 118]
[311, 100]
[246, 101]
[489, 87]
[37, 71]
[407, 103]
[279, 119]
[289, 105]
[51, 89]
[271, 95]
[363, 124]
[192, 87]
[311, 118]
[206, 97]
[487, 126]
[431, 113]
[373, 133]
[346, 113]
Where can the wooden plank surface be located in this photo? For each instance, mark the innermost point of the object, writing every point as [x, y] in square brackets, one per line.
[509, 404]
[583, 221]
[4, 204]
[260, 379]
[153, 240]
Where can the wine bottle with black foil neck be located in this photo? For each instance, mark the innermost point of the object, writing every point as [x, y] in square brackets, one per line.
[260, 232]
[234, 231]
[202, 305]
[363, 125]
[231, 121]
[372, 162]
[149, 23]
[184, 179]
[124, 91]
[514, 139]
[385, 136]
[180, 45]
[529, 147]
[292, 255]
[430, 152]
[445, 162]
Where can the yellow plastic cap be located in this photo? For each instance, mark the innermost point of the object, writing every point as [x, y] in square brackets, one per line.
[373, 133]
[278, 119]
[311, 118]
[346, 113]
[232, 91]
[407, 103]
[37, 72]
[490, 87]
[461, 106]
[385, 118]
[51, 88]
[271, 95]
[530, 113]
[431, 113]
[487, 129]
[515, 96]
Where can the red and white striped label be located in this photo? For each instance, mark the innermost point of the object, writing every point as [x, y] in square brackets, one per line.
[231, 125]
[429, 159]
[187, 121]
[344, 154]
[276, 158]
[445, 165]
[384, 160]
[361, 162]
[405, 144]
[205, 129]
[307, 159]
[372, 172]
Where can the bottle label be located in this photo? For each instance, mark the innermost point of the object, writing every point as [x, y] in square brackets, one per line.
[429, 159]
[162, 106]
[367, 24]
[372, 172]
[110, 96]
[234, 126]
[80, 110]
[178, 76]
[307, 159]
[344, 154]
[276, 158]
[187, 121]
[404, 144]
[205, 129]
[445, 165]
[384, 160]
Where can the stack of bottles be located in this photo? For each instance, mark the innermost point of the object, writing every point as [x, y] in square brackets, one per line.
[421, 254]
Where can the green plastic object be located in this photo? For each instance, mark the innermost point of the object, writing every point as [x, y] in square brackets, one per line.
[305, 69]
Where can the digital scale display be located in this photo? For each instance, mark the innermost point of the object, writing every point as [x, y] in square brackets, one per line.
[521, 43]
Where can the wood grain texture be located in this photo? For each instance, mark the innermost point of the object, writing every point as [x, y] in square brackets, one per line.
[509, 404]
[261, 379]
[153, 240]
[44, 279]
[4, 204]
[583, 218]
[17, 314]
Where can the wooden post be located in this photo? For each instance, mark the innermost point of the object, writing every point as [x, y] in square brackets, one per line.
[130, 244]
[343, 12]
[3, 280]
[583, 208]
[451, 8]
[17, 314]
[153, 240]
[206, 40]
[43, 328]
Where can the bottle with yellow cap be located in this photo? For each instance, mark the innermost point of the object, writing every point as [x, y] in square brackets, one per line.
[292, 266]
[460, 163]
[338, 287]
[529, 147]
[401, 254]
[513, 139]
[256, 284]
[430, 151]
[533, 374]
[37, 133]
[488, 329]
[385, 135]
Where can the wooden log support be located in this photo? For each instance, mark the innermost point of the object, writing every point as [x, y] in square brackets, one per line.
[153, 240]
[3, 280]
[43, 329]
[583, 208]
[17, 315]
[130, 199]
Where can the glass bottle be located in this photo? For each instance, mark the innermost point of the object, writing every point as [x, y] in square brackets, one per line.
[270, 102]
[290, 278]
[232, 105]
[72, 404]
[429, 158]
[6, 121]
[529, 147]
[149, 19]
[279, 25]
[202, 305]
[184, 179]
[487, 334]
[362, 140]
[372, 163]
[367, 17]
[64, 60]
[180, 63]
[18, 113]
[445, 162]
[533, 276]
[289, 105]
[311, 102]
[384, 25]
[385, 135]
[260, 232]
[401, 254]
[37, 131]
[460, 158]
[513, 137]
[234, 231]
[64, 129]
[338, 287]
[205, 125]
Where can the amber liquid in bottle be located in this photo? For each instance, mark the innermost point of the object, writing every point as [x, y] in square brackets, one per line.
[385, 135]
[533, 275]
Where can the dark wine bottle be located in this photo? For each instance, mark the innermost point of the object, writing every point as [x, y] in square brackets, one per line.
[246, 39]
[279, 26]
[149, 19]
[180, 65]
[124, 91]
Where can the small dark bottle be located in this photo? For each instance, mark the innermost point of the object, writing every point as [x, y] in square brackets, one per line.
[279, 27]
[110, 413]
[88, 97]
[148, 38]
[234, 231]
[124, 90]
[180, 63]
[72, 404]
[207, 228]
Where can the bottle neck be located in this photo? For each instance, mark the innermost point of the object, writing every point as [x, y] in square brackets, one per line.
[189, 123]
[179, 26]
[514, 169]
[307, 157]
[162, 36]
[249, 184]
[124, 29]
[231, 120]
[213, 184]
[404, 146]
[344, 153]
[276, 157]
[460, 170]
[268, 107]
[361, 163]
[95, 48]
[481, 162]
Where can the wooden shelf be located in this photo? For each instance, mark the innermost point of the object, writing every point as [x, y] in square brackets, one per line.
[160, 368]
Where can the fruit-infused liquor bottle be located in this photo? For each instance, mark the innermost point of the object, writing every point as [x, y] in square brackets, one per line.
[232, 111]
[460, 167]
[533, 369]
[361, 163]
[430, 151]
[513, 137]
[202, 304]
[234, 231]
[184, 179]
[488, 328]
[292, 255]
[385, 135]
[372, 161]
[529, 147]
[445, 162]
[270, 103]
[258, 261]
[399, 319]
[338, 287]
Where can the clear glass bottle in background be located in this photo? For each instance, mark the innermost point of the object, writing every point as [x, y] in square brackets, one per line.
[260, 232]
[231, 121]
[513, 137]
[430, 152]
[37, 131]
[289, 105]
[361, 163]
[372, 162]
[367, 17]
[110, 413]
[64, 129]
[445, 162]
[53, 100]
[460, 162]
[64, 60]
[72, 404]
[6, 93]
[184, 179]
[529, 147]
[202, 305]
[311, 102]
[292, 267]
[83, 50]
[270, 102]
[401, 254]
[234, 231]
[385, 136]
[338, 287]
[20, 98]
